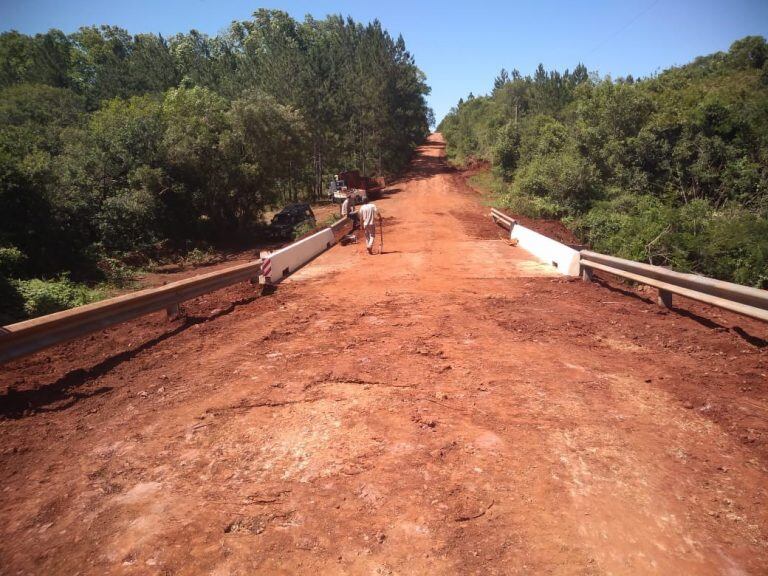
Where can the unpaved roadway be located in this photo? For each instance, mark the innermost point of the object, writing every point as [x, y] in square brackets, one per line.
[447, 407]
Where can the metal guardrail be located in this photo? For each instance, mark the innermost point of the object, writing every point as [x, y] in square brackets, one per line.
[30, 336]
[744, 300]
[502, 219]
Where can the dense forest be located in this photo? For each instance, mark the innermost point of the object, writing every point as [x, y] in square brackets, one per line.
[670, 169]
[114, 146]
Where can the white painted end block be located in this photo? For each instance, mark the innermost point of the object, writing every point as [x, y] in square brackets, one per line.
[292, 257]
[565, 259]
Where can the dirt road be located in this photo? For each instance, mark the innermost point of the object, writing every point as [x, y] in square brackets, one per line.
[447, 407]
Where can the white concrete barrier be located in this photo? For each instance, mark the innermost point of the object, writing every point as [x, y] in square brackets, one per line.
[277, 265]
[565, 259]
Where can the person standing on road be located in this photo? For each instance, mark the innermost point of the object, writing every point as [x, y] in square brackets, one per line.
[348, 206]
[368, 214]
[348, 210]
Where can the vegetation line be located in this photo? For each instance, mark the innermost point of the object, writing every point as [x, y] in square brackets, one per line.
[671, 169]
[117, 150]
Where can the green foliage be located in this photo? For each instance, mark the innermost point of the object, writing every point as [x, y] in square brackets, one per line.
[112, 143]
[265, 148]
[126, 220]
[11, 260]
[202, 257]
[506, 150]
[116, 272]
[671, 169]
[689, 238]
[48, 296]
[303, 229]
[749, 52]
[630, 226]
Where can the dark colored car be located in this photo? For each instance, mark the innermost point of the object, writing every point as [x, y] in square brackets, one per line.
[285, 222]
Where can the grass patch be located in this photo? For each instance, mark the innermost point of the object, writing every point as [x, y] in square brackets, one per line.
[488, 183]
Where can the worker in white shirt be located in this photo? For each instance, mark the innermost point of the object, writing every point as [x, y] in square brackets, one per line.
[368, 214]
[348, 210]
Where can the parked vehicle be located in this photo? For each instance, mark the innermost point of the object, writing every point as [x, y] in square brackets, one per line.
[363, 188]
[285, 222]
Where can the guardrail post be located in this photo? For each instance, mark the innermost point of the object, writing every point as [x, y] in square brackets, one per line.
[586, 274]
[172, 312]
[665, 298]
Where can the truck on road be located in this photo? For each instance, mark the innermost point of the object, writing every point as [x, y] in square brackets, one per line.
[364, 188]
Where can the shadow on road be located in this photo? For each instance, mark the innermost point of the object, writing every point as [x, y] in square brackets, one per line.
[62, 393]
[427, 164]
[706, 322]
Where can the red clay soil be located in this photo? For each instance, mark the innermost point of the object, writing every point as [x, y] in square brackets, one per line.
[475, 166]
[447, 407]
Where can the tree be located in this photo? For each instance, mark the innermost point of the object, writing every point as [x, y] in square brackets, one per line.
[113, 143]
[501, 80]
[749, 52]
[648, 169]
[265, 149]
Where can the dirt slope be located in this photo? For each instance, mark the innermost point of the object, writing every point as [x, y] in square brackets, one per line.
[447, 407]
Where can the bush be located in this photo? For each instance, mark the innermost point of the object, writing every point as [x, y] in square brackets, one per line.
[303, 229]
[632, 227]
[127, 221]
[11, 302]
[506, 151]
[116, 272]
[47, 296]
[505, 196]
[531, 206]
[734, 247]
[11, 260]
[566, 181]
[205, 257]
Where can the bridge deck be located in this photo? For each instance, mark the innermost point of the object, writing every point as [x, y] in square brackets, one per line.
[449, 406]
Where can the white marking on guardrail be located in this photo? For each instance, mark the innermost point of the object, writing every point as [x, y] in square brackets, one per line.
[266, 267]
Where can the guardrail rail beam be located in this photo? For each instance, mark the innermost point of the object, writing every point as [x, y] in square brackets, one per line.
[744, 300]
[30, 336]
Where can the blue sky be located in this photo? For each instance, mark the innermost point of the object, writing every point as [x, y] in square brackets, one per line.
[460, 46]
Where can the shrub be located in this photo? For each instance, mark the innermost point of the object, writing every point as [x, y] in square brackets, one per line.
[565, 179]
[303, 229]
[127, 221]
[48, 296]
[202, 257]
[506, 151]
[531, 206]
[633, 227]
[11, 260]
[734, 247]
[11, 303]
[116, 272]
